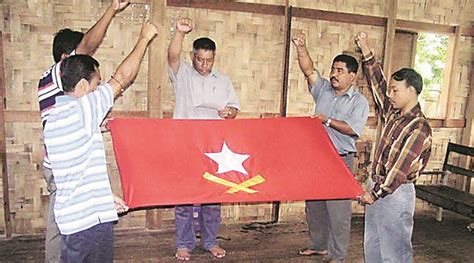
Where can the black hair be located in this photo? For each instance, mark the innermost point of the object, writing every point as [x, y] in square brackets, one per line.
[351, 62]
[65, 41]
[411, 77]
[75, 68]
[204, 43]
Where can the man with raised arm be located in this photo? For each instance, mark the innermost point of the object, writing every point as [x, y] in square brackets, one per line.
[401, 155]
[66, 43]
[343, 111]
[200, 93]
[84, 209]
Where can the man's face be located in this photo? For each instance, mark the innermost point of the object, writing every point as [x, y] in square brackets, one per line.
[203, 60]
[399, 94]
[340, 77]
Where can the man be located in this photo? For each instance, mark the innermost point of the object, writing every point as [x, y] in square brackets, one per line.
[344, 112]
[84, 209]
[401, 155]
[200, 93]
[67, 42]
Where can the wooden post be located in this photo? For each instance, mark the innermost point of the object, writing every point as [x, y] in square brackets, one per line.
[468, 131]
[156, 77]
[446, 99]
[3, 150]
[390, 36]
[284, 91]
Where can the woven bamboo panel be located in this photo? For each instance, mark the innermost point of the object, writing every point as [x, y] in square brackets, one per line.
[363, 7]
[325, 40]
[27, 188]
[464, 74]
[434, 11]
[37, 22]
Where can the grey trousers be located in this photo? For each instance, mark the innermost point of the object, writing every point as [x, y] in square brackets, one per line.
[329, 223]
[52, 242]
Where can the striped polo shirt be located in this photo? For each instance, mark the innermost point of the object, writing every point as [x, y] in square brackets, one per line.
[76, 151]
[49, 87]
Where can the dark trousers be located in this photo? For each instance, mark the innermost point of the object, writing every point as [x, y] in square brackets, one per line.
[95, 244]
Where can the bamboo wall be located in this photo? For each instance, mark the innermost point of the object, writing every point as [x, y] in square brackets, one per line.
[250, 50]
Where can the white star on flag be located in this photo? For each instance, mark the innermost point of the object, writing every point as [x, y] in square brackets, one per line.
[228, 160]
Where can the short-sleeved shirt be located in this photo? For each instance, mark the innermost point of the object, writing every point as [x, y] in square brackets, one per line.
[77, 155]
[351, 107]
[198, 96]
[49, 87]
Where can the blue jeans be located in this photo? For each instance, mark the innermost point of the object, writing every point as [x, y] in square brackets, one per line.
[95, 244]
[389, 227]
[209, 222]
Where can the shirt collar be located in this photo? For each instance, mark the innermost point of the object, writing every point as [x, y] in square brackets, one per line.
[64, 99]
[414, 112]
[349, 92]
[213, 73]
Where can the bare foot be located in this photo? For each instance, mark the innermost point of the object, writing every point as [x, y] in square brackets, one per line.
[217, 251]
[183, 254]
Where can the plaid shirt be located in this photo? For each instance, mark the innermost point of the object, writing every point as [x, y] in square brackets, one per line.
[405, 145]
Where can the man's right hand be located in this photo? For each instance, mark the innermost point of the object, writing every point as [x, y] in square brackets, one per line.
[299, 40]
[184, 25]
[361, 41]
[149, 30]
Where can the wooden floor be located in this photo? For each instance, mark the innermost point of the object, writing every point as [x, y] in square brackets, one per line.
[447, 241]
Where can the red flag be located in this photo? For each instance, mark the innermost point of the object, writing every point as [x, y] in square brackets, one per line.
[170, 162]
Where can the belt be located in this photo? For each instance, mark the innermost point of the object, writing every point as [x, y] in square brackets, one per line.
[346, 154]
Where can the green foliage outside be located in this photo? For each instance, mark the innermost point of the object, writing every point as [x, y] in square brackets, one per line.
[430, 62]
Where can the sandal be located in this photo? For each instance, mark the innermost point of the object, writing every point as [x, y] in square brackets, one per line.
[217, 252]
[311, 252]
[183, 254]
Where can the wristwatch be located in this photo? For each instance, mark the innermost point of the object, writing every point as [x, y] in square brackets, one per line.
[328, 123]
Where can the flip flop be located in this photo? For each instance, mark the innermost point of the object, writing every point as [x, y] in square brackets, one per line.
[310, 252]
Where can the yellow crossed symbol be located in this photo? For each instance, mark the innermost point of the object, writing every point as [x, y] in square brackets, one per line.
[244, 186]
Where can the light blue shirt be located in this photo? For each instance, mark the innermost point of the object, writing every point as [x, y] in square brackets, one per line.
[351, 107]
[198, 96]
[77, 155]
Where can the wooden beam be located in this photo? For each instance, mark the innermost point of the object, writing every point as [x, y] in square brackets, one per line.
[230, 6]
[467, 31]
[3, 148]
[414, 26]
[34, 116]
[339, 17]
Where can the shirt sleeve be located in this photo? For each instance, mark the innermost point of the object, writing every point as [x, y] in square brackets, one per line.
[412, 159]
[358, 116]
[320, 84]
[95, 106]
[233, 100]
[378, 85]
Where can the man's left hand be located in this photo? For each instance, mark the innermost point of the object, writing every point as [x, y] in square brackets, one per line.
[120, 205]
[323, 117]
[228, 112]
[367, 199]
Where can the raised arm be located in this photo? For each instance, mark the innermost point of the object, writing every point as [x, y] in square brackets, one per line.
[304, 60]
[183, 27]
[374, 76]
[127, 70]
[94, 37]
